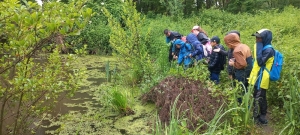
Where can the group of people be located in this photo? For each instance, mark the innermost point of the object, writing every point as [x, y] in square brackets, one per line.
[190, 49]
[241, 64]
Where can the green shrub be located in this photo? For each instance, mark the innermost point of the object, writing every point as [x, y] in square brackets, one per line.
[292, 107]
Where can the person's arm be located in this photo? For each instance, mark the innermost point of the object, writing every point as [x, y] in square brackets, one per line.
[173, 48]
[263, 56]
[168, 40]
[221, 51]
[230, 69]
[198, 50]
[180, 59]
[240, 62]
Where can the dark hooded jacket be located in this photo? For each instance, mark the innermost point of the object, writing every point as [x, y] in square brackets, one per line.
[216, 60]
[202, 38]
[262, 58]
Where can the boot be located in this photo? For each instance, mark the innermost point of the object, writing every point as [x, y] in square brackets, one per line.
[263, 120]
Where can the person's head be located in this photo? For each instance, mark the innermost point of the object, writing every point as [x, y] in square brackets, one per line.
[234, 31]
[178, 43]
[196, 29]
[264, 36]
[232, 40]
[215, 40]
[167, 32]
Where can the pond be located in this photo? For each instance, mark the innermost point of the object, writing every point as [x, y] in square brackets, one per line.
[84, 113]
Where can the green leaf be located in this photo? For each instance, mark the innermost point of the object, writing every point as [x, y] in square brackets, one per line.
[288, 96]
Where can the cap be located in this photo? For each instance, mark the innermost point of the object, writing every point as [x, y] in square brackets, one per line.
[195, 28]
[258, 33]
[215, 39]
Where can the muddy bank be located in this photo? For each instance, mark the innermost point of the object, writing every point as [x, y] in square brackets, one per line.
[194, 101]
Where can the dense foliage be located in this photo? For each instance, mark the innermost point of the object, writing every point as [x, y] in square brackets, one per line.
[217, 22]
[29, 76]
[95, 35]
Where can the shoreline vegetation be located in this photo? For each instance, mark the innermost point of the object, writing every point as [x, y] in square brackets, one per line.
[133, 89]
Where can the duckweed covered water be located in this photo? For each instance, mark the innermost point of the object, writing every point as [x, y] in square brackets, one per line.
[84, 114]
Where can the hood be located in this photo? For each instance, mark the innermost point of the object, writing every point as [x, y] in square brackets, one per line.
[266, 36]
[196, 43]
[232, 40]
[191, 38]
[178, 42]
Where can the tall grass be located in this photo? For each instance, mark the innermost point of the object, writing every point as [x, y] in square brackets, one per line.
[292, 107]
[177, 125]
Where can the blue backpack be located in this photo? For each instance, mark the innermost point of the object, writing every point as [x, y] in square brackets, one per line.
[277, 64]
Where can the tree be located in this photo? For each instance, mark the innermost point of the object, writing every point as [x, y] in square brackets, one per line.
[30, 77]
[130, 43]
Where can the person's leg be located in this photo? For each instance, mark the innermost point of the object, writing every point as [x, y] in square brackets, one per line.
[260, 105]
[240, 77]
[217, 77]
[214, 77]
[256, 104]
[170, 54]
[211, 76]
[263, 106]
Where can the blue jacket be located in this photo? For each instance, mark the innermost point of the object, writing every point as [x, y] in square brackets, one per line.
[197, 51]
[185, 50]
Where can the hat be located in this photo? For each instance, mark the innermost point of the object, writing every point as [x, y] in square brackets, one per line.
[178, 42]
[258, 33]
[215, 39]
[195, 28]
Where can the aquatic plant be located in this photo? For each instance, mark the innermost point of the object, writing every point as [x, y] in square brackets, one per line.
[119, 102]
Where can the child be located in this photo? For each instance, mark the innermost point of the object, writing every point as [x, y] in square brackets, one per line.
[216, 60]
[185, 50]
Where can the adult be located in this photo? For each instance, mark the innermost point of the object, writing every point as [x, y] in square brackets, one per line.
[259, 77]
[197, 52]
[242, 59]
[216, 61]
[201, 34]
[203, 38]
[171, 36]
